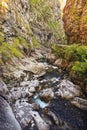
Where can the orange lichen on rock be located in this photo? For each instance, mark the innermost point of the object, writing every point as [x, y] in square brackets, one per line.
[75, 21]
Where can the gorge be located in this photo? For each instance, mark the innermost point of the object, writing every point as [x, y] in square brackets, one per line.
[43, 65]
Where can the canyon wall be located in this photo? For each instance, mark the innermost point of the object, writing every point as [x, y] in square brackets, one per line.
[75, 21]
[35, 19]
[25, 24]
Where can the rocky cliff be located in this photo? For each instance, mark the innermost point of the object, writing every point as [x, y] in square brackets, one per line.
[75, 19]
[24, 24]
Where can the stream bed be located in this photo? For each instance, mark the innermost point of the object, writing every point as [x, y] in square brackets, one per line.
[67, 112]
[34, 101]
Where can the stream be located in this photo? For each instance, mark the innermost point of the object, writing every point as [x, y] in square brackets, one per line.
[61, 107]
[34, 101]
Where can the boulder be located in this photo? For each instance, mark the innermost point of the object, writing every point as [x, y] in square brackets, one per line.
[41, 124]
[3, 89]
[68, 90]
[60, 63]
[80, 103]
[17, 93]
[7, 118]
[21, 110]
[51, 58]
[46, 94]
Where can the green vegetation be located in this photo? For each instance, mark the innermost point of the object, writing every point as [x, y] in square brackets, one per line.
[80, 67]
[84, 18]
[42, 16]
[34, 2]
[35, 42]
[13, 48]
[75, 55]
[40, 10]
[55, 27]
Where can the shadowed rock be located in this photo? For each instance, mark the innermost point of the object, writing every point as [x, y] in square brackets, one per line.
[80, 103]
[7, 118]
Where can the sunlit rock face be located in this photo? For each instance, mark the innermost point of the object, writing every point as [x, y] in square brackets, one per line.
[15, 17]
[75, 20]
[34, 20]
[45, 21]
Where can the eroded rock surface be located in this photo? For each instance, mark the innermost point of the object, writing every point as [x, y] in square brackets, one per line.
[7, 118]
[68, 90]
[46, 94]
[75, 21]
[3, 89]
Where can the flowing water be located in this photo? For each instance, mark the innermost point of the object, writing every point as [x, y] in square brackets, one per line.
[61, 107]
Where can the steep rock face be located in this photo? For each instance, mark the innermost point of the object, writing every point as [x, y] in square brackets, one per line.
[15, 17]
[25, 24]
[37, 19]
[45, 21]
[75, 19]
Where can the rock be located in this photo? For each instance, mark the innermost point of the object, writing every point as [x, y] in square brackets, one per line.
[22, 25]
[46, 94]
[22, 112]
[31, 89]
[52, 115]
[24, 83]
[25, 115]
[60, 63]
[51, 58]
[41, 124]
[68, 90]
[75, 21]
[31, 65]
[27, 27]
[56, 121]
[35, 106]
[17, 93]
[19, 74]
[26, 65]
[3, 89]
[32, 85]
[80, 103]
[7, 118]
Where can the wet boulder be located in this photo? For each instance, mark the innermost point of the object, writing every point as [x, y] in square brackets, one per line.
[46, 94]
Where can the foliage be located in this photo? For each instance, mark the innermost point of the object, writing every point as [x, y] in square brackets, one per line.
[58, 50]
[43, 17]
[34, 2]
[80, 67]
[1, 39]
[13, 48]
[35, 42]
[75, 55]
[55, 27]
